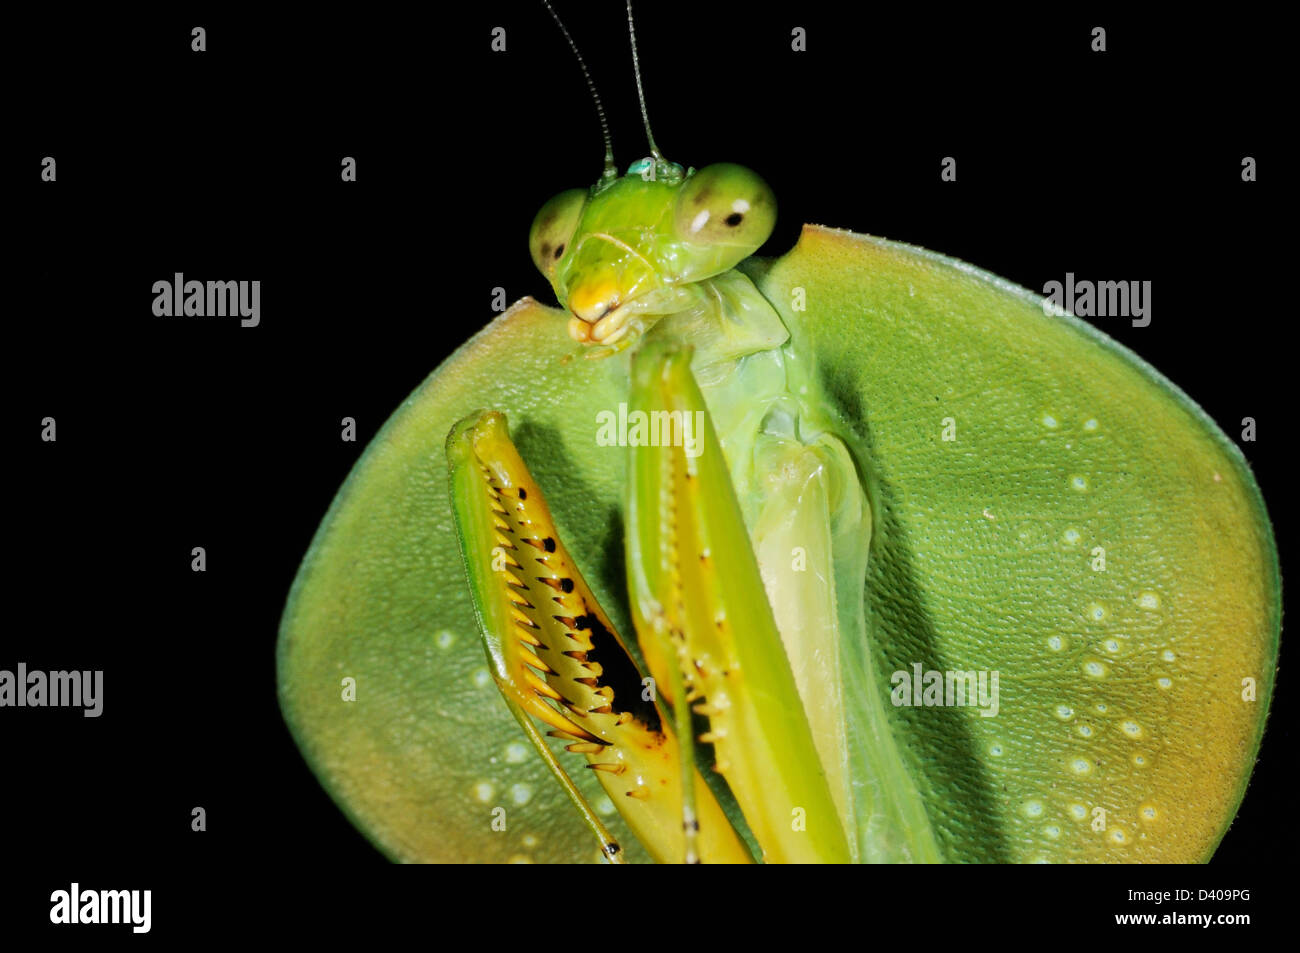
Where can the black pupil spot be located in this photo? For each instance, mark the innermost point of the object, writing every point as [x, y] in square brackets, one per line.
[559, 250]
[566, 585]
[733, 219]
[523, 494]
[549, 544]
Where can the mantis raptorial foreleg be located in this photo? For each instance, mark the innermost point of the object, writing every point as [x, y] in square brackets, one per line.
[690, 559]
[609, 847]
[556, 657]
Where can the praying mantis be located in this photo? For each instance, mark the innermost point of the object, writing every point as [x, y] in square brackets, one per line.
[696, 522]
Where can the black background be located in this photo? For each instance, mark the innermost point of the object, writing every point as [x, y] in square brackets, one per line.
[225, 164]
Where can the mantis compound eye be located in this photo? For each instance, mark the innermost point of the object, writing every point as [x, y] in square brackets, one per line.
[553, 230]
[726, 204]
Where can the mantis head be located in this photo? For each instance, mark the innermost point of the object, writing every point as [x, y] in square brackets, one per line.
[641, 246]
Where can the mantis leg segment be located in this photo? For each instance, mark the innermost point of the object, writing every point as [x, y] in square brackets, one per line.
[556, 657]
[690, 560]
[609, 847]
[670, 644]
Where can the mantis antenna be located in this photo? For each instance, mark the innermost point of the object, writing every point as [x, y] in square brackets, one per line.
[640, 93]
[611, 170]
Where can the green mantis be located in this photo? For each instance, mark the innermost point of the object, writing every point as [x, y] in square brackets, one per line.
[793, 481]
